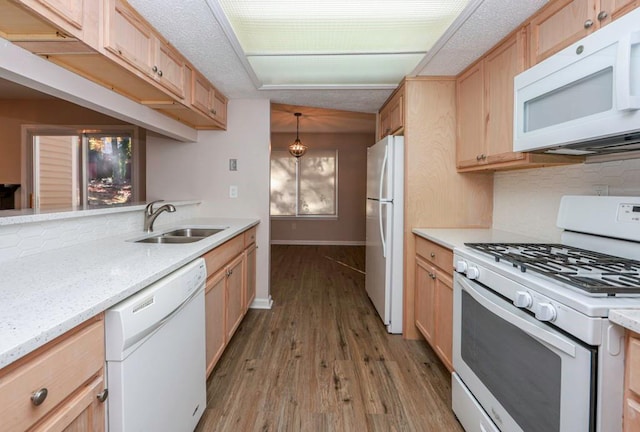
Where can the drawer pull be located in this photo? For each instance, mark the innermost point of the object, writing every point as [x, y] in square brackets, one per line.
[38, 397]
[103, 395]
[433, 254]
[588, 23]
[602, 15]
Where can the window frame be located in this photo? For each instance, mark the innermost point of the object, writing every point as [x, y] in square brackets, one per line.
[298, 216]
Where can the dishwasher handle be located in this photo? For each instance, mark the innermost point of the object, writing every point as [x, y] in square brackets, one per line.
[131, 343]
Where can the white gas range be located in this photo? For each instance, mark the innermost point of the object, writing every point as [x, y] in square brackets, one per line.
[533, 347]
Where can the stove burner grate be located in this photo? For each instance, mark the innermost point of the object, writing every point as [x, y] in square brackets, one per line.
[593, 272]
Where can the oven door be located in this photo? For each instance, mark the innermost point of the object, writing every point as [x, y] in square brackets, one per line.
[526, 375]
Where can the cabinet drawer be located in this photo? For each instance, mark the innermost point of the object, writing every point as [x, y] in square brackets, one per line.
[436, 254]
[249, 237]
[61, 369]
[224, 253]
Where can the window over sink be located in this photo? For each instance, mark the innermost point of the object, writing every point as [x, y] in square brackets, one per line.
[304, 187]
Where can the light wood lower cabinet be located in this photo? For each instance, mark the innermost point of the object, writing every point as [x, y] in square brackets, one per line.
[631, 412]
[214, 305]
[230, 284]
[234, 295]
[58, 387]
[434, 297]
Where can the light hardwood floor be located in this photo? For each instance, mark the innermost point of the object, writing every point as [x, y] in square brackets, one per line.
[321, 360]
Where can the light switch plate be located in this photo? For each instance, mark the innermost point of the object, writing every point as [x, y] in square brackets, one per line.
[233, 164]
[233, 191]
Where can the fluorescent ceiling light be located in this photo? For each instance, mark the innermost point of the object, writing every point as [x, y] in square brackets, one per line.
[336, 43]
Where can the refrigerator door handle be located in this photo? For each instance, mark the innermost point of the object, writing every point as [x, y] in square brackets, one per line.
[382, 239]
[382, 173]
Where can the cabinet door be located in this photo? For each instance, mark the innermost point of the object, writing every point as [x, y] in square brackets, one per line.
[202, 94]
[219, 107]
[214, 307]
[83, 412]
[128, 37]
[235, 309]
[471, 117]
[559, 25]
[64, 13]
[500, 68]
[444, 317]
[250, 279]
[613, 9]
[169, 69]
[424, 300]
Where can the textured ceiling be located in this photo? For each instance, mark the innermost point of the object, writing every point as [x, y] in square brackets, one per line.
[191, 27]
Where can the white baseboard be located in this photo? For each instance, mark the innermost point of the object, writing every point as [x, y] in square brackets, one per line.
[318, 242]
[261, 303]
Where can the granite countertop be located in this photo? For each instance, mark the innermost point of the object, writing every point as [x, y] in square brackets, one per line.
[456, 237]
[44, 295]
[627, 318]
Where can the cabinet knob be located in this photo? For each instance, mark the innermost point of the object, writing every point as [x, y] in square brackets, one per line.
[484, 156]
[433, 254]
[159, 73]
[103, 395]
[478, 157]
[433, 276]
[602, 15]
[155, 68]
[588, 23]
[38, 397]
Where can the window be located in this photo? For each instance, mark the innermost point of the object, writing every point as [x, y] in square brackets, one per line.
[306, 186]
[73, 169]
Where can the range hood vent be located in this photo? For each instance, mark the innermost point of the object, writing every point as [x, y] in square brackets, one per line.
[628, 142]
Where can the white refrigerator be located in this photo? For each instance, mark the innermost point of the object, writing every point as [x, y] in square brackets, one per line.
[384, 251]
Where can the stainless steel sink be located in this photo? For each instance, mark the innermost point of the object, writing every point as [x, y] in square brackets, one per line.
[181, 235]
[194, 232]
[166, 239]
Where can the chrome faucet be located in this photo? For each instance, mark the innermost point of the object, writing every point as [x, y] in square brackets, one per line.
[150, 215]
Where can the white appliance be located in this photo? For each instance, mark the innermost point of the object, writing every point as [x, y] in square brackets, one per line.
[533, 348]
[155, 351]
[384, 241]
[584, 99]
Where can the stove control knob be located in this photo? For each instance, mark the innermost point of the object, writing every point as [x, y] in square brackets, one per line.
[546, 312]
[523, 299]
[461, 266]
[473, 272]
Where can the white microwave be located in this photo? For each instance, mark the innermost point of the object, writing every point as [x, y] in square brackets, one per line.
[586, 98]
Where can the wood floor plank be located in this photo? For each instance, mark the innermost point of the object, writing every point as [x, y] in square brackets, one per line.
[321, 360]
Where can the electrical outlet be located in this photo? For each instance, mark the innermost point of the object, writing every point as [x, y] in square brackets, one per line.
[233, 164]
[233, 191]
[601, 190]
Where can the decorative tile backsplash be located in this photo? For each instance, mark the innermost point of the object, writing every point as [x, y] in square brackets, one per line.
[30, 238]
[527, 201]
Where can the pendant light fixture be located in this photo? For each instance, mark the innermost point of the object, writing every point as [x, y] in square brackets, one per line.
[297, 149]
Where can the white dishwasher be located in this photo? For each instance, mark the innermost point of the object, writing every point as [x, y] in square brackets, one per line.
[155, 352]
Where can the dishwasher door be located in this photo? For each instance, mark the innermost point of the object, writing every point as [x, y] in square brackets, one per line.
[156, 357]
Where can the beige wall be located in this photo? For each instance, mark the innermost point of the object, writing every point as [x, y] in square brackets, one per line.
[349, 227]
[200, 170]
[15, 113]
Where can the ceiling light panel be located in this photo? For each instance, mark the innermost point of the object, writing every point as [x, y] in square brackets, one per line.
[279, 29]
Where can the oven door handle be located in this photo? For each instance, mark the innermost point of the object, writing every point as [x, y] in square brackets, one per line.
[519, 321]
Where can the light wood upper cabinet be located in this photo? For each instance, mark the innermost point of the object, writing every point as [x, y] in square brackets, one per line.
[485, 94]
[500, 68]
[128, 36]
[391, 117]
[563, 22]
[206, 99]
[51, 25]
[470, 123]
